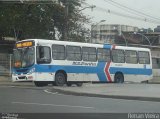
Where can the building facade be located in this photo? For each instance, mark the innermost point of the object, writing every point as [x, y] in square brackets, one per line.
[107, 33]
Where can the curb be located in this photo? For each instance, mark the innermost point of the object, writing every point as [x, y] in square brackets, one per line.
[4, 83]
[152, 99]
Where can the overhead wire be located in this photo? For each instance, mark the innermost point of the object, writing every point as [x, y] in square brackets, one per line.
[126, 15]
[141, 17]
[131, 9]
[126, 10]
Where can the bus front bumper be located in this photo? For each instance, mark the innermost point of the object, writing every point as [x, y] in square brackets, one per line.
[27, 77]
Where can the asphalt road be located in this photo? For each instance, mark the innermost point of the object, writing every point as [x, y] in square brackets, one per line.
[38, 100]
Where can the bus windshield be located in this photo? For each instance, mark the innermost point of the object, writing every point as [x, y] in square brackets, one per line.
[24, 57]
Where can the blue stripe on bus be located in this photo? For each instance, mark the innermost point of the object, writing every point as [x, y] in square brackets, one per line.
[68, 69]
[99, 70]
[136, 71]
[107, 46]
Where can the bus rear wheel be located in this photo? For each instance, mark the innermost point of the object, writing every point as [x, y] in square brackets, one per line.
[119, 78]
[60, 79]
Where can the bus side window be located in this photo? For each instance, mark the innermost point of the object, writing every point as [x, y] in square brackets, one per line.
[103, 55]
[118, 56]
[43, 55]
[144, 57]
[89, 54]
[131, 57]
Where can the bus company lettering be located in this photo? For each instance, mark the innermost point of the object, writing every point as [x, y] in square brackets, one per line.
[84, 63]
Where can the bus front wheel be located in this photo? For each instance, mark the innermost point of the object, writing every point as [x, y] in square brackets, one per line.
[60, 79]
[119, 78]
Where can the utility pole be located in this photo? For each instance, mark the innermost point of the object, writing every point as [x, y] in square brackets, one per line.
[66, 21]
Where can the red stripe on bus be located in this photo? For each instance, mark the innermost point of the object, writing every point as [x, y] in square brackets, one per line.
[108, 66]
[107, 71]
[114, 46]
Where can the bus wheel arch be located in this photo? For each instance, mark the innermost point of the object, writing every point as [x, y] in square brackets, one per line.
[60, 78]
[119, 77]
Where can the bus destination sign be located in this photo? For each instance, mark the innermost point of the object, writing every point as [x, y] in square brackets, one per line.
[24, 44]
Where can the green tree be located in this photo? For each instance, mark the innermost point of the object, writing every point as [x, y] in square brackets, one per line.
[43, 20]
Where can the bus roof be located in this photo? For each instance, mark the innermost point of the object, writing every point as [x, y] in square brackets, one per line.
[45, 41]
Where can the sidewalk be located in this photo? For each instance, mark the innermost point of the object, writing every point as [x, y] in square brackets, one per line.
[145, 92]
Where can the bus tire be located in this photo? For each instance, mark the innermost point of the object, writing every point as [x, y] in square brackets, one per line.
[79, 84]
[119, 78]
[40, 84]
[60, 79]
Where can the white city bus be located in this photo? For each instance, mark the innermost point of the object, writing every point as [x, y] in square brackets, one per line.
[61, 62]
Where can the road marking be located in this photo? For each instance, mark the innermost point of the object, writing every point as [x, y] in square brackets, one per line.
[51, 105]
[55, 93]
[46, 91]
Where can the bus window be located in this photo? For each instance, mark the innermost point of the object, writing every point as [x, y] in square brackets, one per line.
[118, 56]
[58, 52]
[131, 57]
[144, 57]
[89, 54]
[103, 55]
[74, 53]
[43, 55]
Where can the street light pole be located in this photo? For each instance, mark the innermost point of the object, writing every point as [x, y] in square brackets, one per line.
[144, 36]
[94, 27]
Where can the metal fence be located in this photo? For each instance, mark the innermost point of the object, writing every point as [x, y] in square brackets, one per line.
[5, 64]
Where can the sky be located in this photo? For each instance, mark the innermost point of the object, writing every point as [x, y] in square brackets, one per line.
[101, 12]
